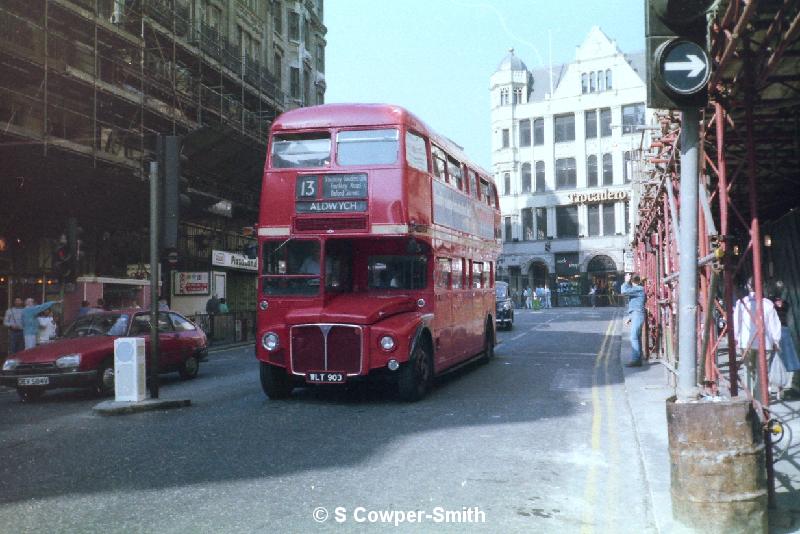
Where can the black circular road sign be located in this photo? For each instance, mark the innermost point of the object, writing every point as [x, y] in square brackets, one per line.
[683, 66]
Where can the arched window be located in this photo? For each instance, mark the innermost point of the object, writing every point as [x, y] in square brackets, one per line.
[584, 83]
[601, 264]
[540, 183]
[591, 171]
[593, 82]
[608, 169]
[601, 83]
[526, 177]
[608, 79]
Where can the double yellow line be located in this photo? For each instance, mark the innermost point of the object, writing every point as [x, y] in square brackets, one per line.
[612, 445]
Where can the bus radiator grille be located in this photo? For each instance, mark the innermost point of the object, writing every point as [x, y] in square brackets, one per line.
[326, 348]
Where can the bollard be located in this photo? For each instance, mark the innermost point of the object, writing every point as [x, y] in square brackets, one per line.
[719, 482]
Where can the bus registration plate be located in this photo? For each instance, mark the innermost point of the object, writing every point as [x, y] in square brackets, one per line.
[325, 377]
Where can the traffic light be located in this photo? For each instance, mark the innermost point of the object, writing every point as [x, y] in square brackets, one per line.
[62, 261]
[678, 66]
[67, 252]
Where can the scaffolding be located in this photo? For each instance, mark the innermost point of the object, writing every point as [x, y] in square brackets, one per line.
[749, 156]
[102, 79]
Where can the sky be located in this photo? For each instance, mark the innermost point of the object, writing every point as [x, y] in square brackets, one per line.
[435, 57]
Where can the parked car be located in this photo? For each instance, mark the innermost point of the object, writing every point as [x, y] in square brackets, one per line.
[504, 306]
[84, 356]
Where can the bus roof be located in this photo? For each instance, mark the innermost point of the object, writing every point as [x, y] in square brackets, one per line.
[352, 115]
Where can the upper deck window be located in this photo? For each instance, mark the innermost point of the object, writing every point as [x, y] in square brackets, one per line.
[367, 147]
[455, 173]
[301, 150]
[416, 153]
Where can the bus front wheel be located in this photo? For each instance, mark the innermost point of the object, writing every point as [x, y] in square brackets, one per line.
[275, 382]
[416, 376]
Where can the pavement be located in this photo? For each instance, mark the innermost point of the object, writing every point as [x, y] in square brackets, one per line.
[648, 388]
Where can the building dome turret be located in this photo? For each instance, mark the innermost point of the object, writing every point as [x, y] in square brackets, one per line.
[511, 62]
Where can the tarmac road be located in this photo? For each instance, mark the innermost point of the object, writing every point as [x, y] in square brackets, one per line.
[539, 440]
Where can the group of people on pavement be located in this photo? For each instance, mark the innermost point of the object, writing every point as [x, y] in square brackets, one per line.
[782, 358]
[534, 298]
[29, 324]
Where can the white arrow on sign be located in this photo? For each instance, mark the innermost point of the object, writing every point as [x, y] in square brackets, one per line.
[695, 65]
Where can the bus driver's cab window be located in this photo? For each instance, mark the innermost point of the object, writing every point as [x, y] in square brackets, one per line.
[291, 267]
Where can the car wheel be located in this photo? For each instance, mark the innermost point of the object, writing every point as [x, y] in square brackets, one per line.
[275, 382]
[104, 384]
[510, 326]
[488, 344]
[29, 394]
[416, 376]
[190, 367]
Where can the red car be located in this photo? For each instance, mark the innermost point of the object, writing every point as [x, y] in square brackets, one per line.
[84, 356]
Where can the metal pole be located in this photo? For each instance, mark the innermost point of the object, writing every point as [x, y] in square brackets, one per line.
[154, 278]
[722, 188]
[687, 296]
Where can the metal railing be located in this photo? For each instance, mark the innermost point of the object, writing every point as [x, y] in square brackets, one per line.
[225, 328]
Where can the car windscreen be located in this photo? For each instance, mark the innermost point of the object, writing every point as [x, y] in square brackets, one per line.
[367, 147]
[301, 150]
[501, 291]
[99, 324]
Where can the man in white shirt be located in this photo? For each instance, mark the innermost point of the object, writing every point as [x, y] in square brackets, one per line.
[744, 329]
[13, 321]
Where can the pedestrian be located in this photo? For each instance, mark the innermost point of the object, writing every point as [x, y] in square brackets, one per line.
[30, 321]
[85, 308]
[212, 309]
[47, 327]
[744, 330]
[788, 352]
[212, 305]
[515, 297]
[546, 292]
[13, 321]
[528, 294]
[633, 289]
[593, 295]
[223, 306]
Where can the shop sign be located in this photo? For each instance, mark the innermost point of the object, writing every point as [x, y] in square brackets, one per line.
[231, 260]
[600, 196]
[567, 264]
[191, 283]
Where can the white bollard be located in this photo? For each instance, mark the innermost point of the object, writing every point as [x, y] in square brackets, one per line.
[129, 369]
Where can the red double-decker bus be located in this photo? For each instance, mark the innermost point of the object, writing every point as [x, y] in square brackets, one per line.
[378, 241]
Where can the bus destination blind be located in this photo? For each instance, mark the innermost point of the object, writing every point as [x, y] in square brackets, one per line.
[331, 193]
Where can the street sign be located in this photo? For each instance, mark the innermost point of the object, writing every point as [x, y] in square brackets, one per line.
[172, 257]
[683, 67]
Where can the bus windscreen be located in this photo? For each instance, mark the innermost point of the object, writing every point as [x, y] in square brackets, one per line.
[301, 150]
[367, 147]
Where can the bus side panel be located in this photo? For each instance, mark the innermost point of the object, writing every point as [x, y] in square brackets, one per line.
[419, 190]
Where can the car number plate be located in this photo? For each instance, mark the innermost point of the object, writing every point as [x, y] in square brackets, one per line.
[33, 381]
[325, 377]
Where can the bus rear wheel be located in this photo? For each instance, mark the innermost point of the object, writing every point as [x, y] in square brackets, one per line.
[488, 344]
[275, 382]
[416, 376]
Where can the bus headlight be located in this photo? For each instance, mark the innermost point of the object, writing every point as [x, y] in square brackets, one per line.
[387, 343]
[270, 341]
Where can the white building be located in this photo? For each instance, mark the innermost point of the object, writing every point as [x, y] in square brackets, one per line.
[563, 153]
